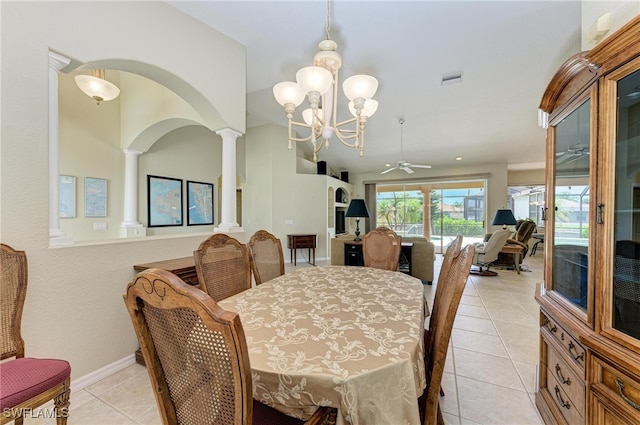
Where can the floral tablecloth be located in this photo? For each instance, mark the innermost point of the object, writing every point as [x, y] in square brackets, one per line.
[347, 337]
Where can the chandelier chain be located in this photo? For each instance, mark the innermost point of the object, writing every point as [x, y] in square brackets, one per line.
[328, 26]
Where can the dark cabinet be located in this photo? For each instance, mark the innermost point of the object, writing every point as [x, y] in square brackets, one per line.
[353, 253]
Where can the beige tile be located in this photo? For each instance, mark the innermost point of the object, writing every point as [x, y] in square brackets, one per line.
[134, 396]
[483, 343]
[473, 311]
[514, 314]
[529, 374]
[449, 403]
[115, 379]
[96, 412]
[487, 368]
[490, 404]
[467, 422]
[151, 417]
[471, 300]
[475, 324]
[450, 419]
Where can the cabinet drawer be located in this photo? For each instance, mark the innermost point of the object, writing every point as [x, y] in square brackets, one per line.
[565, 378]
[575, 351]
[565, 404]
[617, 386]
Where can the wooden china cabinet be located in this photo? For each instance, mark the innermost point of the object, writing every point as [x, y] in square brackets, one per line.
[590, 300]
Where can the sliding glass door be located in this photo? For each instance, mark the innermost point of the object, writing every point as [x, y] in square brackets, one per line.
[438, 211]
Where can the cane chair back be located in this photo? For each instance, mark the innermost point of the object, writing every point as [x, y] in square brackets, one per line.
[223, 266]
[381, 249]
[25, 383]
[196, 355]
[443, 315]
[267, 259]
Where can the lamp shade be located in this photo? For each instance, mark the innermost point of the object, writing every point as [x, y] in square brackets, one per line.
[364, 86]
[357, 208]
[370, 108]
[288, 92]
[504, 218]
[314, 79]
[97, 88]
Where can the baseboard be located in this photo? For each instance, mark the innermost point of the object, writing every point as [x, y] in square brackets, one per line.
[483, 273]
[100, 374]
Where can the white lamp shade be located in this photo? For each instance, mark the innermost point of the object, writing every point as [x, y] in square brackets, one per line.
[97, 88]
[314, 79]
[307, 115]
[288, 92]
[370, 108]
[363, 86]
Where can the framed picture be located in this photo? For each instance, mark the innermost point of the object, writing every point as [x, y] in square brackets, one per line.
[95, 197]
[199, 203]
[67, 196]
[164, 201]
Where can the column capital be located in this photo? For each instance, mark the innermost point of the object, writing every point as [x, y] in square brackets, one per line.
[228, 133]
[128, 151]
[57, 61]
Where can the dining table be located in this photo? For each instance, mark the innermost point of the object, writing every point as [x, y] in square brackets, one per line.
[339, 336]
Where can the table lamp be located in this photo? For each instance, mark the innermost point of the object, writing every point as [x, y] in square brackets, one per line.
[504, 218]
[357, 208]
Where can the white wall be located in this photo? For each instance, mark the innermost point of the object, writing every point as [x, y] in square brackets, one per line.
[74, 308]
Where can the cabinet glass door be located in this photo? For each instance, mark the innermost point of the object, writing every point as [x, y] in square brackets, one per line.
[570, 199]
[626, 267]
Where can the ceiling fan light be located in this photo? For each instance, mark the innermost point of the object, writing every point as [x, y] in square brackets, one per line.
[97, 88]
[288, 92]
[314, 79]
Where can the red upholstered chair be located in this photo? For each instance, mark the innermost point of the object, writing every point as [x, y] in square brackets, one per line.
[197, 357]
[25, 383]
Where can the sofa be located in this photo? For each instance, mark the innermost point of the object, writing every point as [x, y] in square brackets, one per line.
[422, 255]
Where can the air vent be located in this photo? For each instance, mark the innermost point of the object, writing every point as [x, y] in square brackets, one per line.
[452, 78]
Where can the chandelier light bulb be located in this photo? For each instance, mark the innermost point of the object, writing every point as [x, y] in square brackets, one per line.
[370, 108]
[288, 92]
[364, 86]
[307, 115]
[314, 79]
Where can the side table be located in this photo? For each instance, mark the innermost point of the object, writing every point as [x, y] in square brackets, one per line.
[302, 240]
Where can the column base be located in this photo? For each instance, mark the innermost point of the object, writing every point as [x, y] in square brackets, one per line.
[133, 231]
[59, 238]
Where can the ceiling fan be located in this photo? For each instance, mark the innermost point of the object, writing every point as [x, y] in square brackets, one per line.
[573, 153]
[402, 164]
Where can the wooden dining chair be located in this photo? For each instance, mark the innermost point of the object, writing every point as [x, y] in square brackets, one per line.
[443, 315]
[197, 357]
[381, 249]
[223, 266]
[452, 251]
[267, 259]
[25, 383]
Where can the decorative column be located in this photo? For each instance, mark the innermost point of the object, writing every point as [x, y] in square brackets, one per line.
[130, 227]
[56, 235]
[228, 219]
[426, 211]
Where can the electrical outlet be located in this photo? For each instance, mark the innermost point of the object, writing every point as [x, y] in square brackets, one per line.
[288, 222]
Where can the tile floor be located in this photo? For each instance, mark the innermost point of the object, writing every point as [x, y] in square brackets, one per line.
[490, 372]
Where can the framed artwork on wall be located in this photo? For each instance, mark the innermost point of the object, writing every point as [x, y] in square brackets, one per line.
[164, 201]
[95, 197]
[199, 203]
[67, 196]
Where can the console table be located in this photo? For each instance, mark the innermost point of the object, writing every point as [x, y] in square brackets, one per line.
[302, 240]
[353, 255]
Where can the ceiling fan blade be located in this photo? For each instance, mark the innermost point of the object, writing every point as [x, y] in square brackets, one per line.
[408, 170]
[420, 166]
[389, 169]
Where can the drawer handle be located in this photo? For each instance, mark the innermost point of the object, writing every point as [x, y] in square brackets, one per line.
[552, 328]
[630, 402]
[565, 381]
[563, 403]
[575, 356]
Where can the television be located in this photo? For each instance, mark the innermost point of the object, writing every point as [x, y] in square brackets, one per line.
[340, 221]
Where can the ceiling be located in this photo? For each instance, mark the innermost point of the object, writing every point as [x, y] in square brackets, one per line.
[507, 52]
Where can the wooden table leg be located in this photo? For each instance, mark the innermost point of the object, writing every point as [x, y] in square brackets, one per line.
[516, 259]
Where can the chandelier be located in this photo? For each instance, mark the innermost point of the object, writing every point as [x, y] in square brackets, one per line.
[96, 86]
[319, 83]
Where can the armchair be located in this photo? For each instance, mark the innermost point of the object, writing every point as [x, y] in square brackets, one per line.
[487, 252]
[524, 230]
